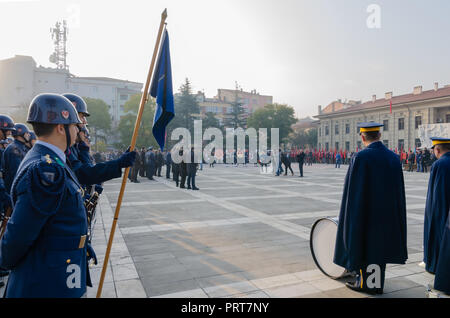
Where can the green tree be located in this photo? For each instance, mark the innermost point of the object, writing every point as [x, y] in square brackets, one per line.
[274, 116]
[304, 138]
[236, 118]
[126, 125]
[186, 111]
[210, 121]
[100, 119]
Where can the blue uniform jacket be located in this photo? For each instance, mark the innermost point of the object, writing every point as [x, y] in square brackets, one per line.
[3, 192]
[436, 211]
[88, 173]
[12, 157]
[42, 244]
[372, 220]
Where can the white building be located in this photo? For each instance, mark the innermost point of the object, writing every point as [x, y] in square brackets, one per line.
[21, 79]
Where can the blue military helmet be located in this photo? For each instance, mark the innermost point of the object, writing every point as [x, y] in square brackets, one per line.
[32, 136]
[20, 130]
[52, 109]
[78, 102]
[6, 123]
[84, 130]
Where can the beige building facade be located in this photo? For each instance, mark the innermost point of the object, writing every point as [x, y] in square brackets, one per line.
[221, 105]
[338, 129]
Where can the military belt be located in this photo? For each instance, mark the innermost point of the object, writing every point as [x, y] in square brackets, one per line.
[64, 242]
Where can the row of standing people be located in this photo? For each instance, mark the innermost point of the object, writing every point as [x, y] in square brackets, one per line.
[150, 162]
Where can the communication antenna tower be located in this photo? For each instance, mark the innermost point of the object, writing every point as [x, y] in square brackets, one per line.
[59, 37]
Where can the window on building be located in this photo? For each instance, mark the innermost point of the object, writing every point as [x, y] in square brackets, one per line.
[326, 131]
[401, 123]
[359, 145]
[95, 89]
[123, 97]
[320, 146]
[386, 143]
[401, 144]
[336, 129]
[347, 145]
[347, 128]
[386, 125]
[336, 146]
[418, 121]
[320, 131]
[447, 118]
[418, 143]
[326, 146]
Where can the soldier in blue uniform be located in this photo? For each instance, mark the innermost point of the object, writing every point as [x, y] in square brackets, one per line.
[31, 140]
[372, 220]
[44, 242]
[436, 238]
[14, 154]
[6, 128]
[81, 162]
[150, 159]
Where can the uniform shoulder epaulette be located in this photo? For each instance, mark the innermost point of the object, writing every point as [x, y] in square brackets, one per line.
[44, 182]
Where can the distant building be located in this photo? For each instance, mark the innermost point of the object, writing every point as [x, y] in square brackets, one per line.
[221, 104]
[338, 121]
[21, 79]
[304, 124]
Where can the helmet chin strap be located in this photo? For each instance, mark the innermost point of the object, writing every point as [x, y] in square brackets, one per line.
[68, 139]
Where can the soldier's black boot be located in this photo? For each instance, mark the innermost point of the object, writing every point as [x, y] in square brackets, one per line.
[361, 286]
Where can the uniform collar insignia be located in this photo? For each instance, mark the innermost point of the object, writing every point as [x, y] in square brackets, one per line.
[47, 159]
[58, 161]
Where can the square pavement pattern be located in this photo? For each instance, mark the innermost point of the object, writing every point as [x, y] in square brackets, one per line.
[244, 234]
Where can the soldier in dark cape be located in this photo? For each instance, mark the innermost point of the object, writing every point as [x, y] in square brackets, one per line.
[436, 238]
[372, 220]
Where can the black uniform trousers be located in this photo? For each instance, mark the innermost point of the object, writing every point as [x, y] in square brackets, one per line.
[300, 167]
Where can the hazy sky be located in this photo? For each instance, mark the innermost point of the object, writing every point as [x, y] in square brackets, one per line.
[304, 53]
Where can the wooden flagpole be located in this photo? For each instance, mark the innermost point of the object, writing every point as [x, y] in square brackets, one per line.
[144, 99]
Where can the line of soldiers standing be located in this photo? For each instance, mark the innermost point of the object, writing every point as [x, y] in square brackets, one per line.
[149, 164]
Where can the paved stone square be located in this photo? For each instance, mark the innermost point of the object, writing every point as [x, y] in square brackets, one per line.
[244, 234]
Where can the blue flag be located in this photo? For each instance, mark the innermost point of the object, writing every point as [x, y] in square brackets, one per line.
[161, 89]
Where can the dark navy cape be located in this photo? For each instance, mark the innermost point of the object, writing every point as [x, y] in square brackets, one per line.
[436, 211]
[372, 219]
[442, 278]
